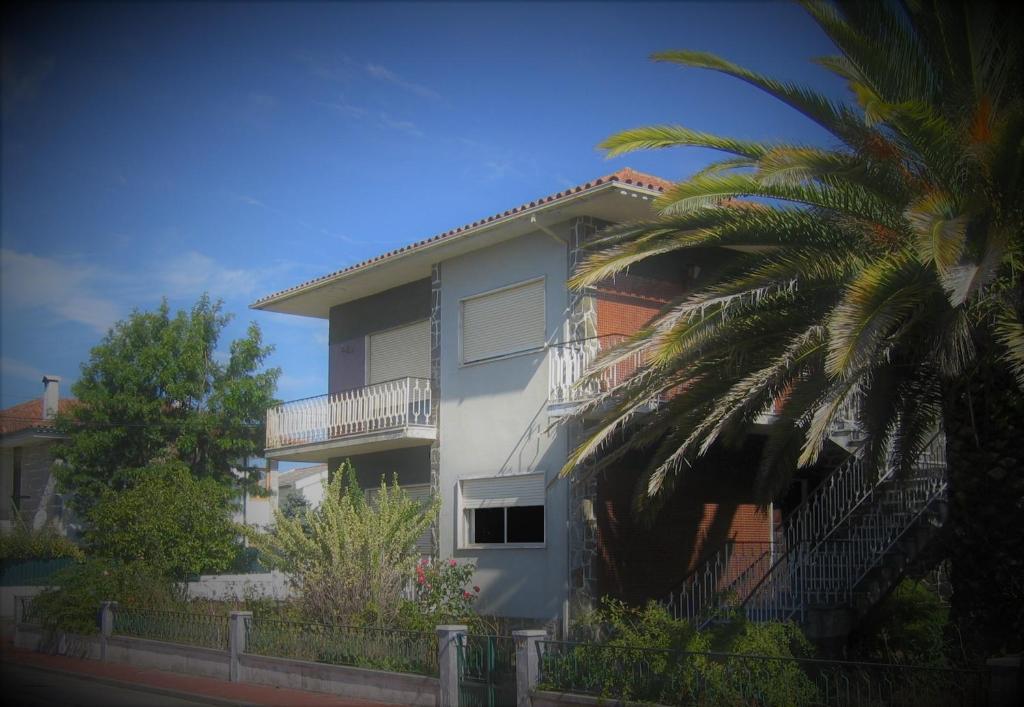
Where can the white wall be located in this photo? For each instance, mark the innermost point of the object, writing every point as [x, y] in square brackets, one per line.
[493, 421]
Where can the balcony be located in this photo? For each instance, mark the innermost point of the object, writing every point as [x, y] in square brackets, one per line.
[570, 362]
[389, 415]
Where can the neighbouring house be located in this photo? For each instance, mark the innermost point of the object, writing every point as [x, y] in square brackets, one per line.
[453, 362]
[27, 441]
[307, 482]
[257, 509]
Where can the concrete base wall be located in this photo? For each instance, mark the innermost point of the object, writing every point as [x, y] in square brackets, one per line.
[191, 660]
[543, 698]
[362, 683]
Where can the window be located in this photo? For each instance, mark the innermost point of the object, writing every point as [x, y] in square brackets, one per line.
[507, 321]
[503, 510]
[399, 352]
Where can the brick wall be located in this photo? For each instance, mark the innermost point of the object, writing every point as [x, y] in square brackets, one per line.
[640, 560]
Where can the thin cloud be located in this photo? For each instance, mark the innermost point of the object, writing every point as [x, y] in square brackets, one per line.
[12, 368]
[193, 273]
[67, 291]
[405, 126]
[382, 73]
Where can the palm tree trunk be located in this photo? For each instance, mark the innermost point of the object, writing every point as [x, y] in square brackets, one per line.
[984, 423]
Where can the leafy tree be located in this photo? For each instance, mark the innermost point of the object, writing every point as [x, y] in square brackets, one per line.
[885, 268]
[154, 389]
[350, 559]
[166, 519]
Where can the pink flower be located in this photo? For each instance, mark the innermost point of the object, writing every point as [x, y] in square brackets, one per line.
[451, 563]
[476, 589]
[467, 595]
[420, 580]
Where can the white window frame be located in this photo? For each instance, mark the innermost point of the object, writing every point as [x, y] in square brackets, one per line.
[507, 354]
[464, 518]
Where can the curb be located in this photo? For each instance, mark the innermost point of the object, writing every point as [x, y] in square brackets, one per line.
[139, 687]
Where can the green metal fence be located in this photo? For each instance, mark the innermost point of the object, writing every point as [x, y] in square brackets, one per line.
[27, 611]
[678, 678]
[487, 671]
[208, 630]
[31, 573]
[382, 649]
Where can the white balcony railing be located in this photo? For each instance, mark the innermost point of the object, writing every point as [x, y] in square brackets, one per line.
[391, 405]
[571, 361]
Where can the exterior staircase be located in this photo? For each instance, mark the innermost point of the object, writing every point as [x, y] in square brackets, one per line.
[843, 549]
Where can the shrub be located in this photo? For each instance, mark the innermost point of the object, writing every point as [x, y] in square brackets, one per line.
[167, 518]
[73, 604]
[355, 559]
[24, 543]
[907, 627]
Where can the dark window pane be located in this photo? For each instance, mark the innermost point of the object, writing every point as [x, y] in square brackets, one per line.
[526, 524]
[489, 525]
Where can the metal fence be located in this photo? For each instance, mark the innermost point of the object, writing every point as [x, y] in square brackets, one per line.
[679, 678]
[383, 649]
[487, 671]
[26, 611]
[194, 629]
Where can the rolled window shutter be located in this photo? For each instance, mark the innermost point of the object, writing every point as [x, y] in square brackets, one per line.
[504, 322]
[399, 352]
[502, 491]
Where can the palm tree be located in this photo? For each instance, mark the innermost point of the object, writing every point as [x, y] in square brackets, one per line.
[885, 268]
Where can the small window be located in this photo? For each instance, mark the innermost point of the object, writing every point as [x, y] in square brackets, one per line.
[508, 321]
[503, 510]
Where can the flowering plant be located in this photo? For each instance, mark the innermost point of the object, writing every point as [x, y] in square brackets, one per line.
[441, 589]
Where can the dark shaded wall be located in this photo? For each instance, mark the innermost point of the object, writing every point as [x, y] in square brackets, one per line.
[412, 464]
[351, 322]
[714, 502]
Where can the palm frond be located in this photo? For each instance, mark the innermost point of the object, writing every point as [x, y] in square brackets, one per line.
[654, 137]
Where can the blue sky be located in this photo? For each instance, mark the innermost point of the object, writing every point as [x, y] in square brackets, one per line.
[166, 150]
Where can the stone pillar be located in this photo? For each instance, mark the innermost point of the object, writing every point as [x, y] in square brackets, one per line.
[107, 609]
[237, 624]
[448, 663]
[527, 663]
[435, 399]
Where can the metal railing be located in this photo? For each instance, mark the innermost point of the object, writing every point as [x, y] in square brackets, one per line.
[26, 610]
[670, 677]
[394, 404]
[335, 644]
[727, 577]
[571, 361]
[194, 629]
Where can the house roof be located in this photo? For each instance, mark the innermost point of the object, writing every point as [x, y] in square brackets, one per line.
[287, 478]
[29, 416]
[626, 176]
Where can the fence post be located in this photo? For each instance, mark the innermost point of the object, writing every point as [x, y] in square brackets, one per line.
[236, 642]
[448, 663]
[107, 609]
[527, 663]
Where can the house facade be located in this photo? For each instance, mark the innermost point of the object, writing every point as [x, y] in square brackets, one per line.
[453, 364]
[27, 441]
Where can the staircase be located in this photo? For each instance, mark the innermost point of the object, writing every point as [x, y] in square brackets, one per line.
[844, 549]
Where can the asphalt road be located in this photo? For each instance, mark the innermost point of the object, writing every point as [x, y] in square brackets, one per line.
[32, 687]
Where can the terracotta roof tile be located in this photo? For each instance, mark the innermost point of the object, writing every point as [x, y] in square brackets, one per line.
[625, 176]
[29, 415]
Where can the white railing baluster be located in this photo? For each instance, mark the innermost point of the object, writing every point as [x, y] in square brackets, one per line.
[381, 406]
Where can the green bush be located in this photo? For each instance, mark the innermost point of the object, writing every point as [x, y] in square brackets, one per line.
[24, 543]
[73, 604]
[645, 655]
[907, 627]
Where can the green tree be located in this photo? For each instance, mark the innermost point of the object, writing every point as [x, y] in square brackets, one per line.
[886, 268]
[153, 390]
[349, 559]
[167, 519]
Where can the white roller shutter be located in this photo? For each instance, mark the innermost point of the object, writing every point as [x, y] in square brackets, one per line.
[503, 322]
[400, 352]
[417, 492]
[502, 491]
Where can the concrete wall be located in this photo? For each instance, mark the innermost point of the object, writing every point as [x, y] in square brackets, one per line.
[272, 585]
[494, 421]
[9, 597]
[350, 323]
[360, 683]
[40, 503]
[412, 465]
[190, 660]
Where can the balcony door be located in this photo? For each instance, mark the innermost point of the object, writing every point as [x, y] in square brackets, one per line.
[399, 352]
